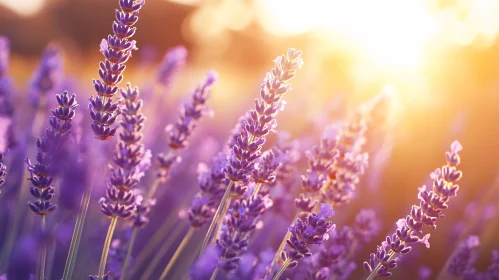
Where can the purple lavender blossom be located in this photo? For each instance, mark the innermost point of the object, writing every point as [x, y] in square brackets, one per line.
[117, 49]
[493, 269]
[48, 76]
[312, 230]
[127, 171]
[6, 106]
[424, 273]
[185, 125]
[41, 172]
[173, 60]
[211, 181]
[204, 266]
[409, 231]
[262, 119]
[463, 260]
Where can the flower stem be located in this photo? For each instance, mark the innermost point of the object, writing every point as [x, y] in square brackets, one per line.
[80, 221]
[214, 275]
[161, 252]
[155, 241]
[105, 248]
[257, 189]
[214, 222]
[283, 268]
[375, 270]
[43, 256]
[177, 253]
[129, 252]
[270, 271]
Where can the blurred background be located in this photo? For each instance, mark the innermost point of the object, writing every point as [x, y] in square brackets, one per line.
[439, 59]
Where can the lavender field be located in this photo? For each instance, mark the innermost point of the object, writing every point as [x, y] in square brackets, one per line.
[249, 139]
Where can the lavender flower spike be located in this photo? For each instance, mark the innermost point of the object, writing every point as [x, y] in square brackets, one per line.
[185, 125]
[249, 141]
[312, 230]
[41, 172]
[172, 61]
[429, 210]
[48, 75]
[117, 49]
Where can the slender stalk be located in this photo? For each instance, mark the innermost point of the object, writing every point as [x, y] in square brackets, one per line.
[375, 270]
[214, 275]
[153, 189]
[270, 271]
[257, 189]
[105, 248]
[155, 241]
[221, 220]
[215, 221]
[80, 221]
[161, 253]
[177, 253]
[43, 256]
[129, 252]
[283, 268]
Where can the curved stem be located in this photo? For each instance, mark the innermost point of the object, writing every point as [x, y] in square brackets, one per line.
[43, 256]
[129, 252]
[283, 268]
[161, 253]
[177, 253]
[214, 222]
[105, 248]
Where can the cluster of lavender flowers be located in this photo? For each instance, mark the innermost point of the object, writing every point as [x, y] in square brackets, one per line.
[41, 173]
[238, 189]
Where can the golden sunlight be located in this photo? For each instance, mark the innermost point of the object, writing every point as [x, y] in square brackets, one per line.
[393, 34]
[23, 7]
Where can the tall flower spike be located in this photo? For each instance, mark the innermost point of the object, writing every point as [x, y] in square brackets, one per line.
[117, 49]
[126, 171]
[463, 260]
[257, 124]
[179, 133]
[41, 172]
[410, 230]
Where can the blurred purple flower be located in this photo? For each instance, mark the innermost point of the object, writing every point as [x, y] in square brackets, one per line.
[47, 78]
[173, 60]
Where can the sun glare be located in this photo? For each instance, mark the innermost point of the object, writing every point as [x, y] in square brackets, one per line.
[396, 34]
[23, 7]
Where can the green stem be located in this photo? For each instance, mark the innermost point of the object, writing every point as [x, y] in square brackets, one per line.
[155, 241]
[221, 221]
[214, 275]
[80, 221]
[129, 252]
[161, 253]
[215, 221]
[283, 268]
[177, 253]
[153, 189]
[375, 270]
[105, 248]
[43, 256]
[270, 271]
[257, 189]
